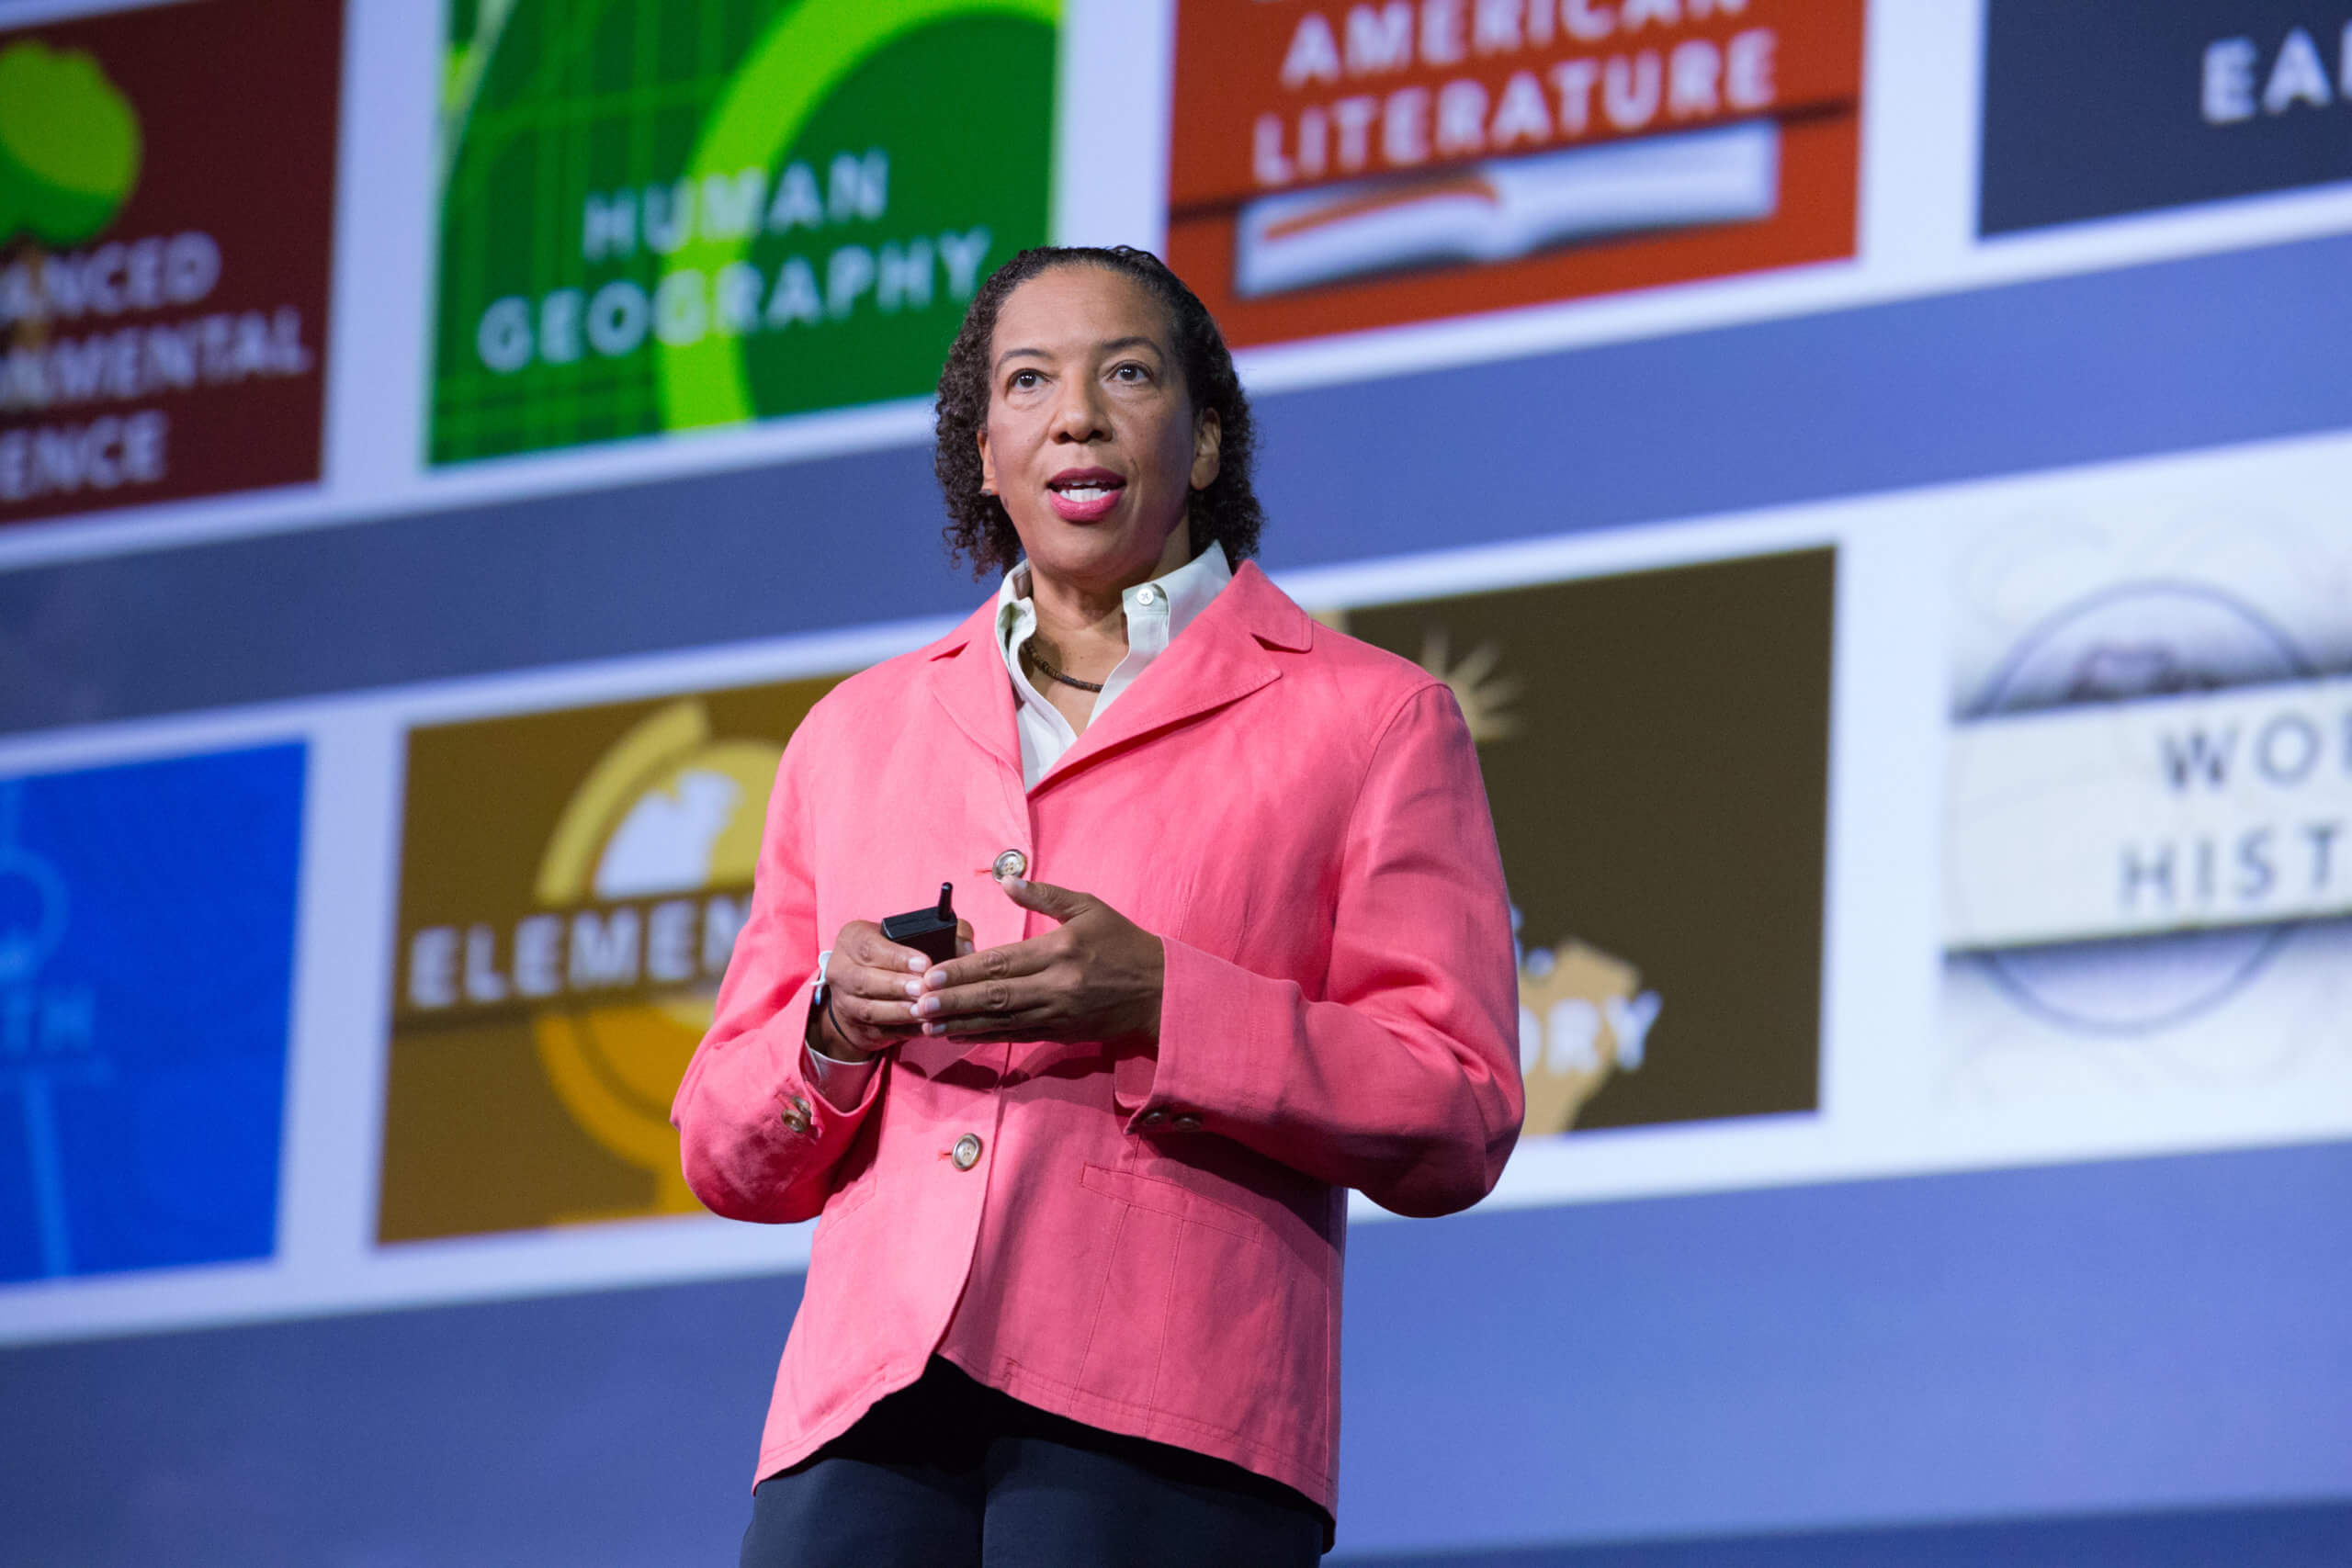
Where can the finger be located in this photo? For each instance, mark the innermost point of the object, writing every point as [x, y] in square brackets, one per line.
[965, 941]
[1054, 903]
[876, 1014]
[1013, 959]
[1001, 995]
[864, 981]
[1022, 1024]
[871, 948]
[994, 1032]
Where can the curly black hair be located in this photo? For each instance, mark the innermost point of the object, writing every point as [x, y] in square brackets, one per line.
[1226, 510]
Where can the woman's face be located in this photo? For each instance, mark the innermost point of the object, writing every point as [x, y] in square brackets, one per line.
[1091, 440]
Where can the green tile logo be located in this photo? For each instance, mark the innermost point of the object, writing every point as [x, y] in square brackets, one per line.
[673, 214]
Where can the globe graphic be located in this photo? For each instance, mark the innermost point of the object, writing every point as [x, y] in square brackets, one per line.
[670, 812]
[32, 898]
[32, 914]
[2136, 641]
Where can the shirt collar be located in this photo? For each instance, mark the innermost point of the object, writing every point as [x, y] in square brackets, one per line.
[1180, 595]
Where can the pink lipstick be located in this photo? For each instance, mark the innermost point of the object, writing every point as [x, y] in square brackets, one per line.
[1085, 495]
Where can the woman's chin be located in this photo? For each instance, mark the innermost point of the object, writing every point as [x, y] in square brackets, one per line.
[1089, 552]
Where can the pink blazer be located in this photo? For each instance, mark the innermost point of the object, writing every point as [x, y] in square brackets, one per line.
[1149, 1244]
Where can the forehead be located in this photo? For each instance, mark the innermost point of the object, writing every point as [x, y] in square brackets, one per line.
[1072, 308]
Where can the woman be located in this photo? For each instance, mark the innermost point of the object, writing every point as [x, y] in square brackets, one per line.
[1235, 940]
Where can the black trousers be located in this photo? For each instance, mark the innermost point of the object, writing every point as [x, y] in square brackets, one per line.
[950, 1473]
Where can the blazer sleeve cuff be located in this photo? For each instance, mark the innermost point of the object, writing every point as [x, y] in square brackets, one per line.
[756, 1138]
[825, 1100]
[1205, 1023]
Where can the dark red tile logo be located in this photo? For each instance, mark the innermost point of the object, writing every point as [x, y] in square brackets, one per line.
[166, 215]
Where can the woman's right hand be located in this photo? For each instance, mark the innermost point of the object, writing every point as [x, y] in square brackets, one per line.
[874, 986]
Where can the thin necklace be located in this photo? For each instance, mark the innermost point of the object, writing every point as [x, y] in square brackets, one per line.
[1053, 674]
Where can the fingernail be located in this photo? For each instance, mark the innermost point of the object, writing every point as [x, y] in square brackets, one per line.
[935, 980]
[926, 1006]
[914, 988]
[935, 1029]
[1017, 883]
[918, 962]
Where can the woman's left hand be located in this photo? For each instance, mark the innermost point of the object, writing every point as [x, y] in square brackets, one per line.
[1095, 978]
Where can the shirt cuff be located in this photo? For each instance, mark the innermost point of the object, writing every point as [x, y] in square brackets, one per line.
[842, 1083]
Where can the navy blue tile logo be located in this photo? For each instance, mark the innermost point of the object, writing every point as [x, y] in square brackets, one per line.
[146, 969]
[2094, 109]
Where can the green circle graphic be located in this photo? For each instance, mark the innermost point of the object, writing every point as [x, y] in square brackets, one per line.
[69, 145]
[547, 338]
[828, 73]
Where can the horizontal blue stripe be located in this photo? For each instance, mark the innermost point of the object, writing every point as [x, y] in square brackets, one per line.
[2314, 1535]
[2203, 352]
[2214, 350]
[2108, 1337]
[2099, 1339]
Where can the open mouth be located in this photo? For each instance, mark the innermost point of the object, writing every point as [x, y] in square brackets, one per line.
[1085, 495]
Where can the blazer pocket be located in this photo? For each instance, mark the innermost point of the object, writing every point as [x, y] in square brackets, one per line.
[1202, 1317]
[848, 1201]
[1168, 1197]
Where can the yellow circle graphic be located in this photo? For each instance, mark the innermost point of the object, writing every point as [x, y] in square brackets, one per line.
[668, 810]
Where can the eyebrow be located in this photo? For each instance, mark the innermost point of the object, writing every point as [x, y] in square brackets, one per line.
[1113, 346]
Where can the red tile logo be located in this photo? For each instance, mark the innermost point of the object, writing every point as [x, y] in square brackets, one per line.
[1338, 167]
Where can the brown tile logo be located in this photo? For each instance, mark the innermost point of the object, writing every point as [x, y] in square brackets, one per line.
[1656, 749]
[571, 885]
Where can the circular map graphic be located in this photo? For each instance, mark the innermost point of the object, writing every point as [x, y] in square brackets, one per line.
[2137, 641]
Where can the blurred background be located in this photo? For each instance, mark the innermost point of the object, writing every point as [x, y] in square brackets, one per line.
[1873, 472]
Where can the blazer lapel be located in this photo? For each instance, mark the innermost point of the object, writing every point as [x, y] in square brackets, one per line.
[1221, 658]
[969, 680]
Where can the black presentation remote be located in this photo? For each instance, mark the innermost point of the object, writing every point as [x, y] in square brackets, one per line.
[930, 932]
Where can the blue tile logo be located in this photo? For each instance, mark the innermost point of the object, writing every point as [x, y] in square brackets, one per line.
[146, 972]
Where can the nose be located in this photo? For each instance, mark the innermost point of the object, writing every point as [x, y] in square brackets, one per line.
[1079, 417]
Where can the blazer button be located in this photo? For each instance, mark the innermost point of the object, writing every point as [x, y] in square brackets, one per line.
[1154, 1118]
[967, 1153]
[1188, 1122]
[796, 1115]
[1012, 862]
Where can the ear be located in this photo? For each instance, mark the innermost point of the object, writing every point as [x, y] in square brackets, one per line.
[1208, 436]
[987, 462]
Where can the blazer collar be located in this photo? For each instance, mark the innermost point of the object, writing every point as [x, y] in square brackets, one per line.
[1222, 656]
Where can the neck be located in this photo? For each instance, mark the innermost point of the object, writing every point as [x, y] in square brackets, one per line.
[1084, 623]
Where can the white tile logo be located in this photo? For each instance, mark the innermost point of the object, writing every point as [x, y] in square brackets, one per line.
[2156, 761]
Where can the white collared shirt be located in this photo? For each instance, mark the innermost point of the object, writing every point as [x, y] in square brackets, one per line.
[1157, 611]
